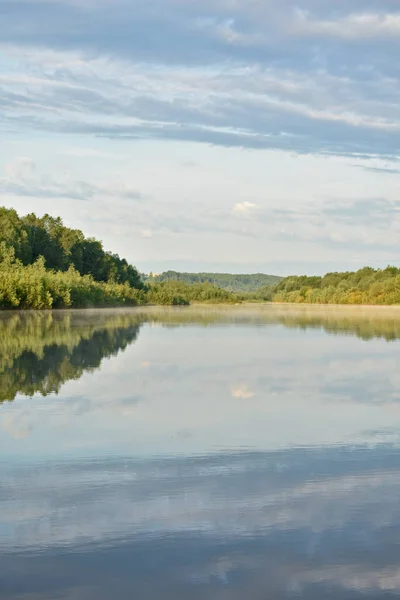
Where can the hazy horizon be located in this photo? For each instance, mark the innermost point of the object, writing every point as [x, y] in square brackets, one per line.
[253, 269]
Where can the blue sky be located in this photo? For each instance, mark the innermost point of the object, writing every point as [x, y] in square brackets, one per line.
[229, 135]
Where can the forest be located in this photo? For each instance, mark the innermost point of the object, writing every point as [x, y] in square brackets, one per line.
[32, 237]
[44, 265]
[365, 286]
[236, 283]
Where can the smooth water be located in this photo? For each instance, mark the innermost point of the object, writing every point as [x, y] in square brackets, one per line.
[200, 454]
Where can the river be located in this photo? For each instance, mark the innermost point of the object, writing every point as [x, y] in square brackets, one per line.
[202, 453]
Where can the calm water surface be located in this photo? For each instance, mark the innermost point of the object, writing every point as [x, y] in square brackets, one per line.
[200, 453]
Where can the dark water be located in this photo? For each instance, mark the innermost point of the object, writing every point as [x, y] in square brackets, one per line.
[200, 454]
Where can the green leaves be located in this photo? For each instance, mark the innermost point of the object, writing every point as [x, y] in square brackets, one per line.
[32, 237]
[35, 287]
[236, 283]
[180, 293]
[365, 286]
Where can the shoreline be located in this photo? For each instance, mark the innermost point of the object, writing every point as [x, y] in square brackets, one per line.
[292, 306]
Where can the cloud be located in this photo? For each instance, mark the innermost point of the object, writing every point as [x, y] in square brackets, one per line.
[146, 233]
[355, 223]
[363, 223]
[24, 179]
[21, 167]
[384, 170]
[242, 74]
[100, 77]
[355, 26]
[379, 212]
[244, 208]
[241, 391]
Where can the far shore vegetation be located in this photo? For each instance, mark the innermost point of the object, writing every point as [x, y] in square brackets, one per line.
[365, 286]
[236, 283]
[45, 265]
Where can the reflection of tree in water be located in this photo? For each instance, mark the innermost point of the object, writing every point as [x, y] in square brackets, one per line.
[39, 353]
[364, 324]
[364, 328]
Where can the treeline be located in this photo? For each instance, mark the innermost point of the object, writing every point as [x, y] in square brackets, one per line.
[365, 286]
[237, 283]
[32, 237]
[45, 265]
[182, 293]
[35, 287]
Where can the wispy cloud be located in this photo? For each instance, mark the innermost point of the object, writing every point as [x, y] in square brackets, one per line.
[355, 26]
[22, 178]
[102, 79]
[226, 73]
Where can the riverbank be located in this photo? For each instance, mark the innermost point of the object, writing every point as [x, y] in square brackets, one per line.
[33, 287]
[367, 286]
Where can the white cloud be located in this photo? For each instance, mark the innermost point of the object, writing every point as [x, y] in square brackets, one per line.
[120, 114]
[251, 105]
[241, 391]
[356, 26]
[244, 208]
[23, 178]
[20, 167]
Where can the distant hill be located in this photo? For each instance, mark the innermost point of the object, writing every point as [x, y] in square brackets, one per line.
[232, 283]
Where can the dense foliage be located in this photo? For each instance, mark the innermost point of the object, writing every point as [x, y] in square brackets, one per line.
[44, 265]
[366, 286]
[39, 352]
[181, 293]
[35, 287]
[32, 237]
[232, 283]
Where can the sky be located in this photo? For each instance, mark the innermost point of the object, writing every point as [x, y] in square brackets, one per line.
[232, 135]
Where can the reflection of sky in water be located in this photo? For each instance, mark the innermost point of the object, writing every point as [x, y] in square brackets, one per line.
[218, 462]
[193, 389]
